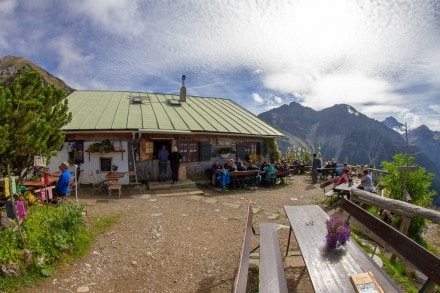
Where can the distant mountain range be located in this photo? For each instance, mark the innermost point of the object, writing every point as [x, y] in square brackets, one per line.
[343, 134]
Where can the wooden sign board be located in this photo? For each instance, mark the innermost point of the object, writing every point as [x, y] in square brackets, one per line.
[40, 161]
[408, 169]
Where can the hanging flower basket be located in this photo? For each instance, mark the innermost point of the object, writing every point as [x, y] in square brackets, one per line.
[224, 152]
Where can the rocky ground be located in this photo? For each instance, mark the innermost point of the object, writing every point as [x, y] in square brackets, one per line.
[180, 243]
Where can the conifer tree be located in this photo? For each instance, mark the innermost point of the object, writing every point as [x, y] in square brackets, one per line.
[32, 115]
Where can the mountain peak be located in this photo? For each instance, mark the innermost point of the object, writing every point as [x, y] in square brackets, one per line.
[10, 65]
[393, 124]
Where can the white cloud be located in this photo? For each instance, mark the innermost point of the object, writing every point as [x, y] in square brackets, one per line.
[379, 56]
[7, 8]
[118, 17]
[257, 98]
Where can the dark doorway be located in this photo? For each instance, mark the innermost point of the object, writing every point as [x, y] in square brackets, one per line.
[158, 145]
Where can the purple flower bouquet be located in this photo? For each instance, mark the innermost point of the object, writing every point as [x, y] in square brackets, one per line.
[338, 232]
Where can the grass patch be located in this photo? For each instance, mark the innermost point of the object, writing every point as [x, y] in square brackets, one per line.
[396, 270]
[55, 237]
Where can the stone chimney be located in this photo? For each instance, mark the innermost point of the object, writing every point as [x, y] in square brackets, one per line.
[183, 90]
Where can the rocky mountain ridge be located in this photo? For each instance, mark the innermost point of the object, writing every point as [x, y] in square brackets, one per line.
[10, 65]
[343, 134]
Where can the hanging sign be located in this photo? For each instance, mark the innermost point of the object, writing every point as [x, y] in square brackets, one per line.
[40, 161]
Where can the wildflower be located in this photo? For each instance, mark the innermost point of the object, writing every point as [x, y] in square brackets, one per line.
[338, 232]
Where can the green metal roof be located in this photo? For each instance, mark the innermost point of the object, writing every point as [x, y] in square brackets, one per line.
[108, 110]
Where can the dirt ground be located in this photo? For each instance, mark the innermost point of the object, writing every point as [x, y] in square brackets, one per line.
[180, 243]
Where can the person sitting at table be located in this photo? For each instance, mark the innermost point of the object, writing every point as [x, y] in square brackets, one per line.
[241, 166]
[269, 173]
[252, 166]
[264, 165]
[344, 177]
[216, 168]
[366, 182]
[230, 166]
[62, 185]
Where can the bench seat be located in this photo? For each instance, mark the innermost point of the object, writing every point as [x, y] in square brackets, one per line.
[271, 275]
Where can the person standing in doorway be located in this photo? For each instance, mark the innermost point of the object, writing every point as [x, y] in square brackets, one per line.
[163, 163]
[316, 163]
[175, 157]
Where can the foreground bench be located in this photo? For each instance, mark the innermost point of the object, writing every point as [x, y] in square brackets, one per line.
[272, 277]
[240, 283]
[271, 268]
[398, 243]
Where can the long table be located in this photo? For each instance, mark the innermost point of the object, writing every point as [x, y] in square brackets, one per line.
[330, 270]
[346, 187]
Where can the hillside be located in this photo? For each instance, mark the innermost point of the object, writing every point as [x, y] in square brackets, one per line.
[9, 66]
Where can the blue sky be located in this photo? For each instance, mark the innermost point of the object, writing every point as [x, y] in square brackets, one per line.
[382, 57]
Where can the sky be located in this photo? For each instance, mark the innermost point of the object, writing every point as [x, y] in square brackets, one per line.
[380, 56]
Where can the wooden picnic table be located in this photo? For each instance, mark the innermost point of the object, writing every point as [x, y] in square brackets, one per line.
[346, 187]
[330, 269]
[39, 183]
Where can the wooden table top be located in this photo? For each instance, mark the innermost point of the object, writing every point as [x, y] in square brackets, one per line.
[330, 270]
[347, 187]
[38, 183]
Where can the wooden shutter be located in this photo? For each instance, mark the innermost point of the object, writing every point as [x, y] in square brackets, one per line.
[205, 151]
[261, 149]
[241, 151]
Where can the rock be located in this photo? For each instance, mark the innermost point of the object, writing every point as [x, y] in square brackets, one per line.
[10, 270]
[273, 216]
[83, 289]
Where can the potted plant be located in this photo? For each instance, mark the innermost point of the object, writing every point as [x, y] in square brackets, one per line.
[224, 151]
[114, 168]
[104, 147]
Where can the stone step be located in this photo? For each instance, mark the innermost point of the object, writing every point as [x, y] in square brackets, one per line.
[182, 188]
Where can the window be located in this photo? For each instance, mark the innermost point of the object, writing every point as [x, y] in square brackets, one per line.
[105, 164]
[76, 151]
[250, 148]
[147, 150]
[189, 151]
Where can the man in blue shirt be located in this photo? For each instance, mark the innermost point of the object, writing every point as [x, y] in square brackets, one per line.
[163, 163]
[62, 185]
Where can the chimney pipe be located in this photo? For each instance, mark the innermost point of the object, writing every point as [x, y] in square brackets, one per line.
[183, 90]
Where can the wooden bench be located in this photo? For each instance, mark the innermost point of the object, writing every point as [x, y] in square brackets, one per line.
[271, 276]
[241, 278]
[284, 176]
[242, 178]
[329, 193]
[406, 248]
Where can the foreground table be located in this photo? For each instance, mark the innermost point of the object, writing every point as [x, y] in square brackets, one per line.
[330, 270]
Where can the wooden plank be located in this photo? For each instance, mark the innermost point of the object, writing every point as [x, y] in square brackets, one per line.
[272, 276]
[406, 248]
[396, 206]
[407, 168]
[240, 283]
[329, 270]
